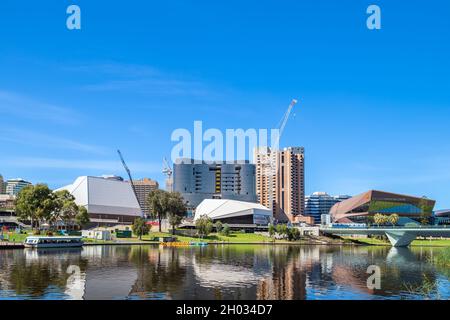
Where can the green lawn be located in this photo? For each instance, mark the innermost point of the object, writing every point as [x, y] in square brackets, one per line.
[434, 242]
[233, 237]
[14, 237]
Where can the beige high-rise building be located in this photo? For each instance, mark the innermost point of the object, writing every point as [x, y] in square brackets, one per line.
[143, 187]
[280, 181]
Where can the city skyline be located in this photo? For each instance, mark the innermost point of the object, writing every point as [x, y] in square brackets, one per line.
[372, 106]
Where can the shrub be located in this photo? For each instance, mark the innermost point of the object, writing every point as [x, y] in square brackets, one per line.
[226, 230]
[219, 226]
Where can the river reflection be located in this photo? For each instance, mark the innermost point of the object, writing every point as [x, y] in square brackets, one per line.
[220, 272]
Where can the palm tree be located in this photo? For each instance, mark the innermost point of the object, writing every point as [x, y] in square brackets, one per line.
[393, 219]
[378, 218]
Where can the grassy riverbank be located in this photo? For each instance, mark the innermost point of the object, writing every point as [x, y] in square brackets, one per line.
[418, 243]
[234, 237]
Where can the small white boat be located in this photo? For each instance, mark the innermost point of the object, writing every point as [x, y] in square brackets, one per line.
[53, 242]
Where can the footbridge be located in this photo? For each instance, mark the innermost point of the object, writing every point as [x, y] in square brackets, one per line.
[398, 236]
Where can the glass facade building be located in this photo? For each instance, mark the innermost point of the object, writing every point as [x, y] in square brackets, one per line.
[362, 208]
[320, 203]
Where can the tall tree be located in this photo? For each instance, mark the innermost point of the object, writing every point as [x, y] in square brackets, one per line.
[158, 202]
[35, 203]
[176, 209]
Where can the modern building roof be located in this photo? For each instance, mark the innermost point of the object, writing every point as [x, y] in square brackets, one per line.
[104, 196]
[442, 213]
[346, 208]
[220, 209]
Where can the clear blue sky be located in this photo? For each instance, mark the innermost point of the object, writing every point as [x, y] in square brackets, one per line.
[374, 111]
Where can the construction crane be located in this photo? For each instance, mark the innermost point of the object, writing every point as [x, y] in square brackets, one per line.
[270, 160]
[129, 176]
[168, 171]
[285, 120]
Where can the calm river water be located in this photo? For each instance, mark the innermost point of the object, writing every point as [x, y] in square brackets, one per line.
[220, 272]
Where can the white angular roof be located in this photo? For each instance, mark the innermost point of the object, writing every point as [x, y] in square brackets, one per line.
[224, 208]
[104, 196]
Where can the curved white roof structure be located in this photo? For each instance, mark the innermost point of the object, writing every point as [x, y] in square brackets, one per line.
[220, 209]
[104, 196]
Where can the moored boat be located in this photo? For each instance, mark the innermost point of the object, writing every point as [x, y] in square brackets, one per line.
[53, 242]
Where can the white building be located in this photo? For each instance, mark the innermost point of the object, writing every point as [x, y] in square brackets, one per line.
[234, 212]
[108, 201]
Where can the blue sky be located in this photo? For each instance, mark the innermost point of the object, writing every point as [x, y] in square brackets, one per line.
[374, 105]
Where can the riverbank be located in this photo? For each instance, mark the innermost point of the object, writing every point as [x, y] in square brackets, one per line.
[415, 243]
[238, 238]
[217, 239]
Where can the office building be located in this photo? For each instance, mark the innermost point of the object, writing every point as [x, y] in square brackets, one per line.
[13, 186]
[2, 185]
[362, 208]
[108, 201]
[214, 180]
[320, 203]
[143, 188]
[280, 182]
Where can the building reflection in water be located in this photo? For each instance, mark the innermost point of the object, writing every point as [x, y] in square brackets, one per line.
[214, 272]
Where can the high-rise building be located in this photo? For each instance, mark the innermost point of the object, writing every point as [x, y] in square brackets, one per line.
[214, 180]
[320, 203]
[143, 187]
[13, 186]
[2, 185]
[280, 181]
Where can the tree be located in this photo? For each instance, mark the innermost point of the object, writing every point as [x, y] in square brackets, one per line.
[82, 217]
[226, 230]
[219, 227]
[176, 209]
[293, 234]
[272, 230]
[426, 211]
[204, 225]
[378, 218]
[67, 210]
[140, 227]
[282, 230]
[158, 202]
[35, 203]
[393, 219]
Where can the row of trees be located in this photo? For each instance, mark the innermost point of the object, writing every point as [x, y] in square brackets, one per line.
[205, 226]
[284, 231]
[38, 204]
[385, 219]
[167, 205]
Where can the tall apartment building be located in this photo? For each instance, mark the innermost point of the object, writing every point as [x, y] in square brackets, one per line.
[13, 186]
[320, 203]
[214, 180]
[2, 185]
[143, 187]
[280, 181]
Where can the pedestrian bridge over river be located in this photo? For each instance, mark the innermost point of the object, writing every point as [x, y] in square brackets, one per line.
[398, 236]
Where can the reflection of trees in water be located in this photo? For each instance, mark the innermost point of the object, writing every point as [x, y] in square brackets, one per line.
[33, 275]
[160, 271]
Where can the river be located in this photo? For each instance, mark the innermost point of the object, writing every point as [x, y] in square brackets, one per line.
[222, 272]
